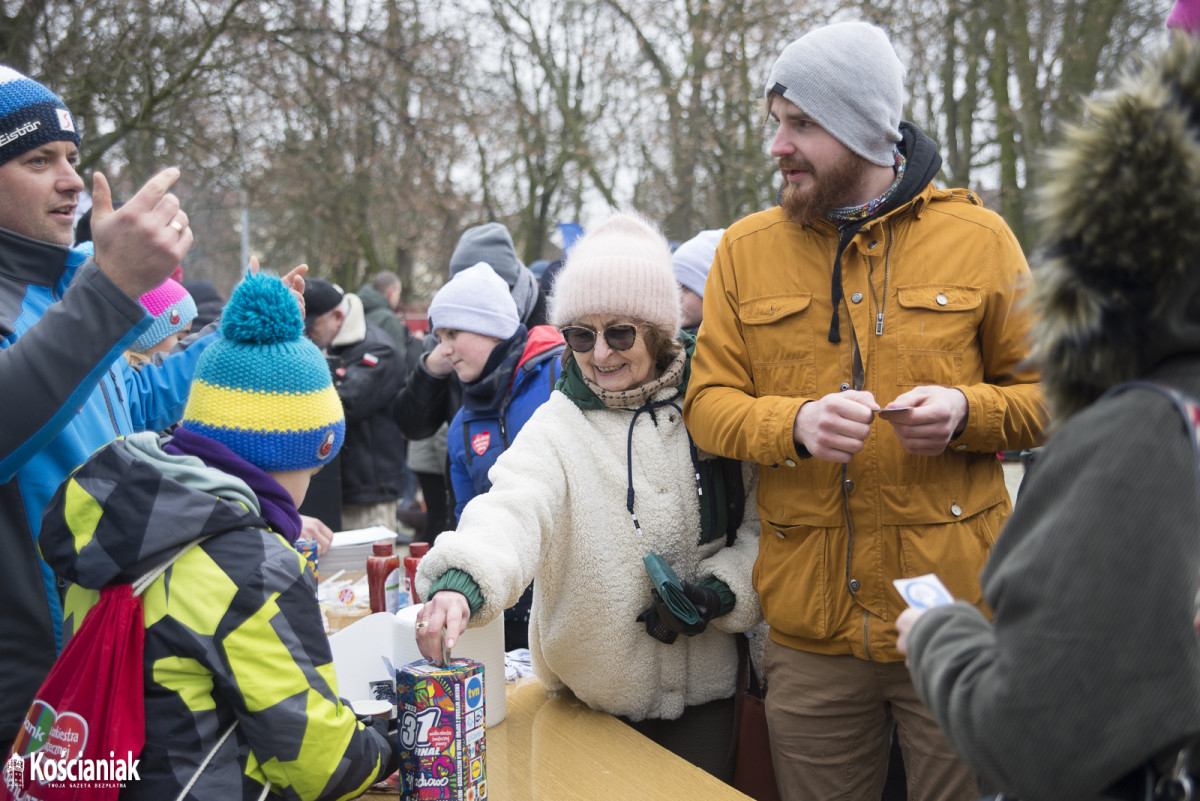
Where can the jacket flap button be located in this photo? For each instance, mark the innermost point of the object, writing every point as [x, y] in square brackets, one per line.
[955, 510]
[941, 299]
[790, 462]
[780, 534]
[856, 297]
[848, 484]
[962, 446]
[874, 243]
[854, 585]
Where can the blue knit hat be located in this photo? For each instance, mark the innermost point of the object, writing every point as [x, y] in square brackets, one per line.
[263, 390]
[30, 116]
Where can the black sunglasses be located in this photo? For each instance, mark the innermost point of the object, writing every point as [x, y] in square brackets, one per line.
[581, 339]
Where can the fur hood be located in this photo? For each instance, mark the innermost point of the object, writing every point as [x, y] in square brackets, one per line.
[1117, 284]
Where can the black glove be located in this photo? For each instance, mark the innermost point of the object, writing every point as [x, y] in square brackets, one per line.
[387, 730]
[707, 603]
[652, 617]
[663, 625]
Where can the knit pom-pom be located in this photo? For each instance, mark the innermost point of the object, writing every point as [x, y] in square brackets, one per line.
[262, 311]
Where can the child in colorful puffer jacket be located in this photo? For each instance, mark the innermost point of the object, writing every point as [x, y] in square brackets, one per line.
[238, 672]
[506, 372]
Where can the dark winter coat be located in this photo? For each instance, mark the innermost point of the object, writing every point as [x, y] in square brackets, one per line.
[1091, 663]
[368, 371]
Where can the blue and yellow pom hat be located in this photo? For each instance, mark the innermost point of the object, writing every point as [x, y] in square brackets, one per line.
[30, 116]
[263, 390]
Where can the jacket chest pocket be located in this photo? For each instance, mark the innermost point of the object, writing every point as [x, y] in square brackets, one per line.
[938, 323]
[779, 340]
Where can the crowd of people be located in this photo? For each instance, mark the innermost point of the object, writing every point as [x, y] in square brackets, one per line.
[783, 417]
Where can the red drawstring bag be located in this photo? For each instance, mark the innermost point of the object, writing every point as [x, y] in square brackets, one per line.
[84, 732]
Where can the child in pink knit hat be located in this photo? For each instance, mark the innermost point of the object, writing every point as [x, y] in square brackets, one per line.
[173, 310]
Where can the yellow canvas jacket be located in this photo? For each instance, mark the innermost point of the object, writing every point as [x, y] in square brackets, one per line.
[932, 295]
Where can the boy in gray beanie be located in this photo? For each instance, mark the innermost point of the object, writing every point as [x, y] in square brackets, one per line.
[923, 316]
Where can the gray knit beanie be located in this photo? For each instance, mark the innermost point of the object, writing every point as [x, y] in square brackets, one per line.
[490, 243]
[475, 300]
[846, 77]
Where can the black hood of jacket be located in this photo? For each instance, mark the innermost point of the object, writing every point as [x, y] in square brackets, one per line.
[923, 164]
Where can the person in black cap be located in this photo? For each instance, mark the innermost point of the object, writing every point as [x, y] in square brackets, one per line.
[368, 373]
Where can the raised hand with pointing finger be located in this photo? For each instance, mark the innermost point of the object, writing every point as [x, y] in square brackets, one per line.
[141, 243]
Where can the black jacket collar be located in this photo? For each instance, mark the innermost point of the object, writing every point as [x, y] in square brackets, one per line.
[31, 261]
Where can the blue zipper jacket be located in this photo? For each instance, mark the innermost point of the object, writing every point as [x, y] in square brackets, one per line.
[476, 438]
[67, 391]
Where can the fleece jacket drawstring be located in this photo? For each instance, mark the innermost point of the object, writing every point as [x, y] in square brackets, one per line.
[629, 493]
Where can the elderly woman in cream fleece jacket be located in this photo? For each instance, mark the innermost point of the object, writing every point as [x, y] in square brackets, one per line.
[603, 474]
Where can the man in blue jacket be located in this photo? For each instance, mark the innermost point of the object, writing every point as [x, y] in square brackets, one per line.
[65, 319]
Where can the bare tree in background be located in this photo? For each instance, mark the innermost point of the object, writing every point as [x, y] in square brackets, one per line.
[366, 135]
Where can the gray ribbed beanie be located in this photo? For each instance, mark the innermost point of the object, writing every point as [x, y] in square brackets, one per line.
[847, 77]
[492, 243]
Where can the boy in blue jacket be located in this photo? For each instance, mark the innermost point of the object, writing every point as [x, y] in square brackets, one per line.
[506, 371]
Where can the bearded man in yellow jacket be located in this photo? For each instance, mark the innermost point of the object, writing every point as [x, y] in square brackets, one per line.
[866, 289]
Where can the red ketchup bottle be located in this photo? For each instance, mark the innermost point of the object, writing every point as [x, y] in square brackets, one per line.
[383, 577]
[415, 551]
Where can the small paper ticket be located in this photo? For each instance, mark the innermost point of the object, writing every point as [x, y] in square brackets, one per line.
[923, 592]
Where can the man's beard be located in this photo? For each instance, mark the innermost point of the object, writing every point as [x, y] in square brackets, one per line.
[829, 190]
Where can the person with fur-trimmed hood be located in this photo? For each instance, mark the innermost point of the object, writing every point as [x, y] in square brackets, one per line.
[1090, 664]
[603, 474]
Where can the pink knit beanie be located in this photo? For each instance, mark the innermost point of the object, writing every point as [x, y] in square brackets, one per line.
[173, 310]
[620, 268]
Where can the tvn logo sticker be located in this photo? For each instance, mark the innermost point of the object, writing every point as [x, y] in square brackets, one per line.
[474, 691]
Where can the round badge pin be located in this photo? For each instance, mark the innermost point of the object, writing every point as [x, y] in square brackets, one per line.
[326, 445]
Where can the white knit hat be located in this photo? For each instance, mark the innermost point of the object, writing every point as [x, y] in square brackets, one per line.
[693, 259]
[475, 300]
[846, 77]
[620, 268]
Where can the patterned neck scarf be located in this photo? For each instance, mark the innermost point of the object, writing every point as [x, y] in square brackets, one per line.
[847, 214]
[640, 396]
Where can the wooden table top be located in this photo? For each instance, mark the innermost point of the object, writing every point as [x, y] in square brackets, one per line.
[555, 748]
